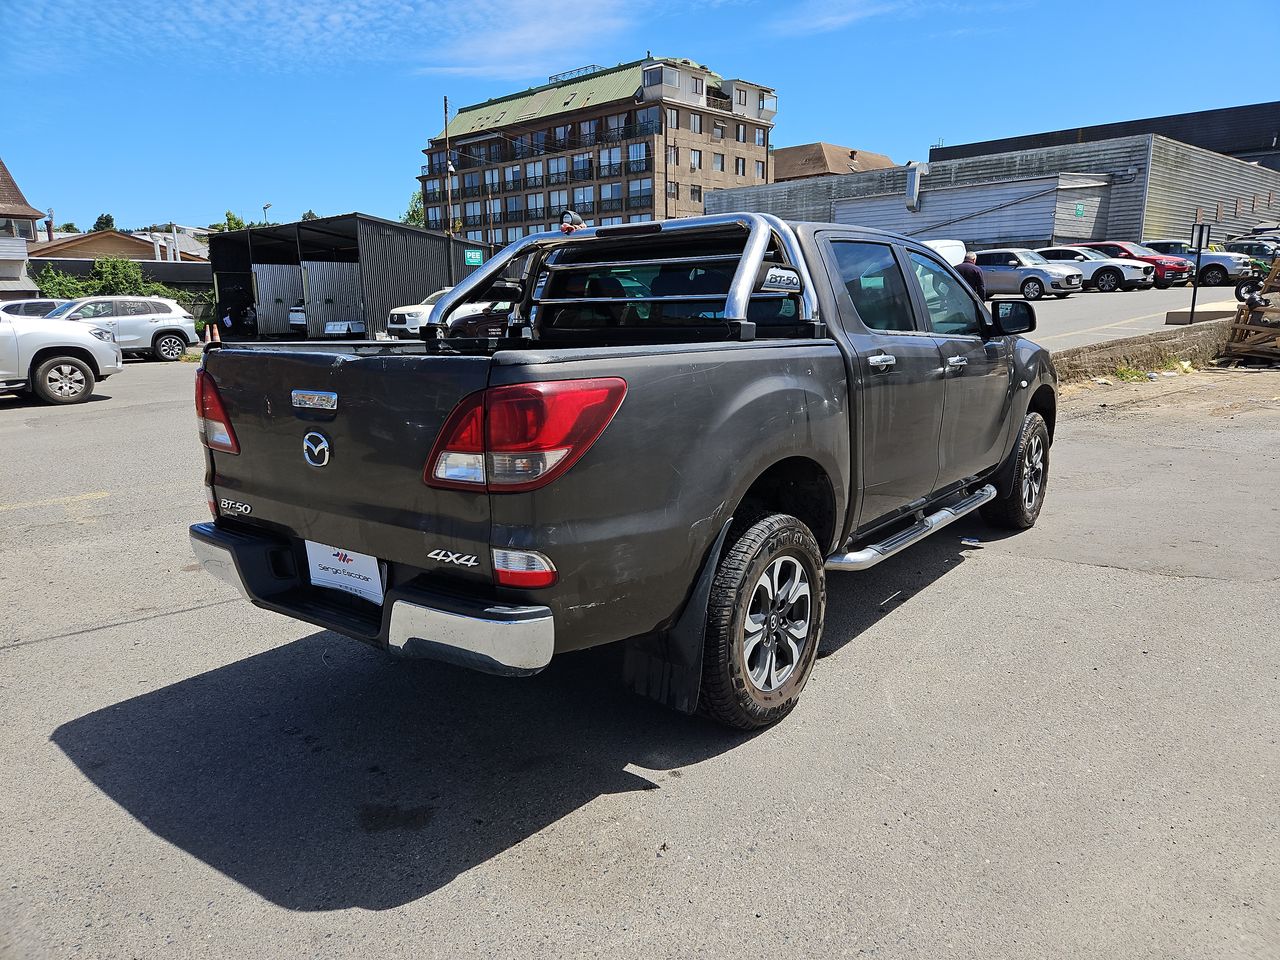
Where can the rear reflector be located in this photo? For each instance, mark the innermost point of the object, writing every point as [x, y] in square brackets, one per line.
[526, 569]
[523, 436]
[211, 416]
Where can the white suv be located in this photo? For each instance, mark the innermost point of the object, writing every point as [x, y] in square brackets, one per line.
[142, 325]
[57, 360]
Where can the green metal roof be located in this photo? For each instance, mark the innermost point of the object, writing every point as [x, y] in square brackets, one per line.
[538, 103]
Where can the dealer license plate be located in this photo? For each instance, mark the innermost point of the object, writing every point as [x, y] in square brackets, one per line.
[337, 569]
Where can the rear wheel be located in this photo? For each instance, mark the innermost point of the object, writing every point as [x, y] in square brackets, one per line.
[63, 380]
[1019, 510]
[1107, 281]
[169, 346]
[1032, 289]
[764, 622]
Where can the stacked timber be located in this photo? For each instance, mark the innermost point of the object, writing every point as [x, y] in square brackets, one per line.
[1255, 331]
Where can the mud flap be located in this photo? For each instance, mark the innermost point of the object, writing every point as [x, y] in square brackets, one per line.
[667, 667]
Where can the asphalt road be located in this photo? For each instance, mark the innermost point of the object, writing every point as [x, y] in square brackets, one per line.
[1089, 317]
[1056, 744]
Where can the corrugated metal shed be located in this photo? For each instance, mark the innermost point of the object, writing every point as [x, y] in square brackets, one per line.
[1186, 181]
[1251, 131]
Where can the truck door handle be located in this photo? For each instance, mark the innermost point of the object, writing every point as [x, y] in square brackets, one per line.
[957, 361]
[882, 361]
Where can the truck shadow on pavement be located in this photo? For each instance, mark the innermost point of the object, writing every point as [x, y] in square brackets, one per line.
[323, 775]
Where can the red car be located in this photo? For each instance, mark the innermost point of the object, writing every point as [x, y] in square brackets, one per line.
[1169, 270]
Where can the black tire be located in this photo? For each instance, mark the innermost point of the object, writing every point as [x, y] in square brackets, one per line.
[56, 380]
[1062, 296]
[730, 692]
[1019, 510]
[1108, 280]
[169, 347]
[1163, 284]
[1032, 289]
[1213, 276]
[1247, 288]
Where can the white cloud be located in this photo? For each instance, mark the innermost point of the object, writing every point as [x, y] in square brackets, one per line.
[822, 16]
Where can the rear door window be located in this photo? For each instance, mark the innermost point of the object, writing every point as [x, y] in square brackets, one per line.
[874, 281]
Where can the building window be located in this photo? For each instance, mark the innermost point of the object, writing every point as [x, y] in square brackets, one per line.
[557, 170]
[491, 180]
[511, 175]
[742, 97]
[695, 122]
[637, 157]
[514, 234]
[647, 119]
[610, 191]
[582, 196]
[615, 122]
[760, 136]
[768, 102]
[695, 159]
[653, 77]
[588, 131]
[558, 202]
[610, 162]
[673, 118]
[610, 221]
[717, 131]
[534, 203]
[673, 190]
[640, 218]
[561, 134]
[582, 166]
[759, 169]
[741, 135]
[697, 86]
[673, 156]
[717, 162]
[475, 236]
[740, 166]
[695, 192]
[640, 186]
[494, 207]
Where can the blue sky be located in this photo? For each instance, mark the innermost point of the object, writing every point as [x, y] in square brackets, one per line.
[154, 112]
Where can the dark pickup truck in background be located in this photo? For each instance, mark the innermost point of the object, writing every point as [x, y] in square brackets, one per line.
[680, 429]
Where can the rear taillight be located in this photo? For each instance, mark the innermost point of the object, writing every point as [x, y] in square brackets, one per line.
[526, 569]
[211, 416]
[520, 437]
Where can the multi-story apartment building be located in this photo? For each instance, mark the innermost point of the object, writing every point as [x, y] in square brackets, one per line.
[640, 141]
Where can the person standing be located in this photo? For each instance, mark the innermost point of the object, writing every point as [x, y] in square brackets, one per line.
[972, 275]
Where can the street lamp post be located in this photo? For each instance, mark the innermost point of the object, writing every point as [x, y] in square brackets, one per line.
[265, 208]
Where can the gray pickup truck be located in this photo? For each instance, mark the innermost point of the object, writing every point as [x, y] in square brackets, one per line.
[682, 428]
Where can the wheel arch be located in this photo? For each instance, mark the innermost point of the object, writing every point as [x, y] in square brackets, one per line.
[175, 330]
[798, 486]
[48, 353]
[1045, 402]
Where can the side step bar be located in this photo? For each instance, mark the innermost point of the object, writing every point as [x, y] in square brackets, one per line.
[873, 554]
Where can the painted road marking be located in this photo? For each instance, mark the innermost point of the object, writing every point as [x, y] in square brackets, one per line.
[56, 501]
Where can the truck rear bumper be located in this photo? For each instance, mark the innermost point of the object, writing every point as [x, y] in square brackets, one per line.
[412, 622]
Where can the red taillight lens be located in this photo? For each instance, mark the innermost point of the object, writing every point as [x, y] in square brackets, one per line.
[211, 415]
[526, 569]
[530, 433]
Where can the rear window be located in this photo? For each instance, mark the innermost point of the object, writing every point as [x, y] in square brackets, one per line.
[670, 284]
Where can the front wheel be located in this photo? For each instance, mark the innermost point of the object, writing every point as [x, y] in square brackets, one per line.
[1247, 288]
[1032, 289]
[1163, 284]
[1107, 281]
[63, 380]
[1019, 510]
[764, 622]
[169, 346]
[1213, 276]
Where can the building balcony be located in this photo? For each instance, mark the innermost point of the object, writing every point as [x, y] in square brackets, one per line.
[640, 201]
[582, 173]
[586, 206]
[557, 178]
[640, 166]
[506, 152]
[509, 185]
[609, 170]
[611, 205]
[534, 183]
[432, 196]
[473, 191]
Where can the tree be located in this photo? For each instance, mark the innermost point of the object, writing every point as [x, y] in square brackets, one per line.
[415, 216]
[105, 221]
[310, 215]
[68, 227]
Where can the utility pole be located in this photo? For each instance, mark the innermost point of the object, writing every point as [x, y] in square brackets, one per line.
[448, 195]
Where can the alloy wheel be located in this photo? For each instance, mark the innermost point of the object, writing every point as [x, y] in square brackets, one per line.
[776, 629]
[65, 380]
[1033, 473]
[171, 348]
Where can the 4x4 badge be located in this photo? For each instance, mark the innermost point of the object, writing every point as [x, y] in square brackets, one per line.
[315, 449]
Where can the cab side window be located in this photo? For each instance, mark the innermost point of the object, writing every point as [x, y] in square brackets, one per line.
[94, 309]
[875, 284]
[992, 259]
[952, 310]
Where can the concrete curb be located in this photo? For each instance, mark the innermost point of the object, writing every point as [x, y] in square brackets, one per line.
[1199, 343]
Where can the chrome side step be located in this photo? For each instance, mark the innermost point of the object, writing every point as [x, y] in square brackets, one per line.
[873, 554]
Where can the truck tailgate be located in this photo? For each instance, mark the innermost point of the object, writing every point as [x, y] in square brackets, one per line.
[369, 496]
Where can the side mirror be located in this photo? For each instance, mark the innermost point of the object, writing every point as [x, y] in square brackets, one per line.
[1013, 317]
[1079, 259]
[1011, 263]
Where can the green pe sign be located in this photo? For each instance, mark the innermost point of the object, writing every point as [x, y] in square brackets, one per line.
[1079, 213]
[473, 258]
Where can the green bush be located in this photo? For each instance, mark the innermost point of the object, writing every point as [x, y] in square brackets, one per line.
[111, 276]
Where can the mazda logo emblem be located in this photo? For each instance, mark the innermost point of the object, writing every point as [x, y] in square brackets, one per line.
[315, 449]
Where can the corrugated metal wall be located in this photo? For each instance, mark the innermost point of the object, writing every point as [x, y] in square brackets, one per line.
[1184, 178]
[1124, 162]
[1083, 209]
[332, 292]
[278, 287]
[403, 266]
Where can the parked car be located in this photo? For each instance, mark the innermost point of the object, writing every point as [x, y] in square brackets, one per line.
[953, 251]
[674, 469]
[404, 323]
[1102, 273]
[1263, 252]
[1217, 267]
[57, 360]
[37, 307]
[1025, 272]
[1169, 270]
[143, 326]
